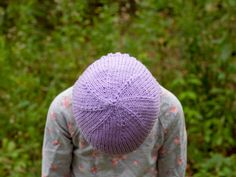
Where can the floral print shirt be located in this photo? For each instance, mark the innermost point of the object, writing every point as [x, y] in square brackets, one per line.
[66, 153]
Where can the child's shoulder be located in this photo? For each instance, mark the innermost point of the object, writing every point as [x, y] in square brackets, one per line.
[60, 115]
[169, 99]
[65, 93]
[62, 102]
[63, 98]
[170, 109]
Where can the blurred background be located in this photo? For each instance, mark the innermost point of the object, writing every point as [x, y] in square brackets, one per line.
[189, 46]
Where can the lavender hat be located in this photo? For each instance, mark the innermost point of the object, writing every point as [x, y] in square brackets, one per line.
[115, 103]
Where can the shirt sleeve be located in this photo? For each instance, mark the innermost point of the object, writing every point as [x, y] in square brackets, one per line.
[57, 144]
[172, 156]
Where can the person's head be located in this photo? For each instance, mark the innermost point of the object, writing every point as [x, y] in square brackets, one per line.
[115, 103]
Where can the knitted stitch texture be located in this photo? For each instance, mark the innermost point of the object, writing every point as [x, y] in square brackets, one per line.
[115, 103]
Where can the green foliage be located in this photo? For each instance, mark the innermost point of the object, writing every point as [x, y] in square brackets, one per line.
[189, 46]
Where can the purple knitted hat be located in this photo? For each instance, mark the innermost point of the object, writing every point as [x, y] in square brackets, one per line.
[115, 103]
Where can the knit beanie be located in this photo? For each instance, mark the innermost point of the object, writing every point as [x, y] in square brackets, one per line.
[115, 103]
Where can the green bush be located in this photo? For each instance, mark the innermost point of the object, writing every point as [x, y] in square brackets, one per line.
[189, 46]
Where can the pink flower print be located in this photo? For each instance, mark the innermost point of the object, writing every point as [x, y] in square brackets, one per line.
[177, 140]
[56, 142]
[179, 161]
[94, 154]
[154, 157]
[66, 102]
[81, 167]
[53, 167]
[174, 109]
[162, 151]
[93, 169]
[82, 143]
[70, 128]
[154, 154]
[114, 162]
[136, 162]
[121, 157]
[165, 131]
[53, 115]
[43, 175]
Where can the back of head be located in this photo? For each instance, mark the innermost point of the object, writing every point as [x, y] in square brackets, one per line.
[116, 101]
